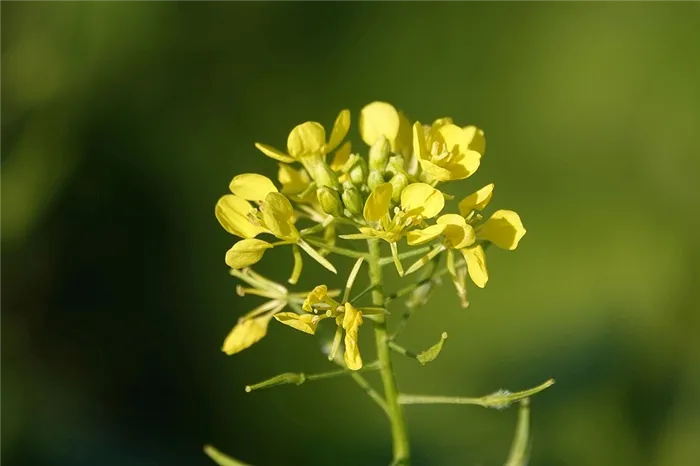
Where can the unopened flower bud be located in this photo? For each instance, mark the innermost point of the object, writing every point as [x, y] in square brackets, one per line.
[379, 154]
[374, 179]
[352, 200]
[396, 164]
[398, 183]
[330, 201]
[358, 173]
[324, 176]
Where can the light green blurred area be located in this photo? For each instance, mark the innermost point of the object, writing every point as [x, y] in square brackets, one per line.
[591, 113]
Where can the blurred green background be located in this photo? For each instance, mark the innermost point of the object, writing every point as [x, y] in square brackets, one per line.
[122, 124]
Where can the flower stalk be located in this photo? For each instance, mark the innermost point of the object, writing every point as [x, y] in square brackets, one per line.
[399, 431]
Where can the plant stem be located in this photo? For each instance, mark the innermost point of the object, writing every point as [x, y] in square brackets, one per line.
[499, 400]
[371, 392]
[399, 432]
[335, 249]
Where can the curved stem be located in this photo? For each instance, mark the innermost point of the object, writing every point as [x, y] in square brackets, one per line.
[399, 433]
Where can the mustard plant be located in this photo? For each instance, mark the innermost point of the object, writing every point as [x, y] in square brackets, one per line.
[327, 199]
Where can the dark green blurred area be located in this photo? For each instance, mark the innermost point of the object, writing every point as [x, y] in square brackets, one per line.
[122, 124]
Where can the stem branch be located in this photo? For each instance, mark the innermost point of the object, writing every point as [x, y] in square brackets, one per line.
[499, 400]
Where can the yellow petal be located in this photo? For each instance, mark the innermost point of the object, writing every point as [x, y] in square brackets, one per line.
[306, 139]
[315, 296]
[441, 122]
[306, 323]
[351, 324]
[504, 229]
[277, 214]
[246, 252]
[379, 119]
[232, 213]
[477, 200]
[245, 334]
[477, 140]
[451, 219]
[457, 232]
[274, 153]
[415, 237]
[439, 173]
[454, 137]
[293, 181]
[469, 163]
[405, 137]
[420, 146]
[339, 131]
[476, 265]
[377, 204]
[422, 195]
[341, 157]
[251, 186]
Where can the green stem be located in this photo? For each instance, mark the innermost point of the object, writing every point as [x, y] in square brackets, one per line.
[499, 400]
[371, 392]
[298, 378]
[399, 432]
[336, 249]
[405, 255]
[402, 351]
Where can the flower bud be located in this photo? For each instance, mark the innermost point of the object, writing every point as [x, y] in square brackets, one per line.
[398, 183]
[330, 201]
[324, 176]
[396, 164]
[374, 179]
[358, 173]
[352, 200]
[379, 154]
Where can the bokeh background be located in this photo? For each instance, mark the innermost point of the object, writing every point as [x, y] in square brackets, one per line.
[123, 123]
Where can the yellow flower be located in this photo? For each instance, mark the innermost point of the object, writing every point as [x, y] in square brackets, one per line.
[307, 144]
[419, 201]
[382, 119]
[347, 318]
[308, 139]
[316, 296]
[444, 151]
[252, 327]
[504, 229]
[274, 215]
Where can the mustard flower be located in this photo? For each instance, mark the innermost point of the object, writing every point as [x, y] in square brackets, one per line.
[252, 327]
[347, 318]
[447, 152]
[504, 229]
[419, 201]
[274, 215]
[307, 144]
[320, 305]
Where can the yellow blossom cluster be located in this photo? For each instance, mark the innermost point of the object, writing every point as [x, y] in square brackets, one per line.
[327, 192]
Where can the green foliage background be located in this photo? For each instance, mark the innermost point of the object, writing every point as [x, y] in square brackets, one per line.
[123, 123]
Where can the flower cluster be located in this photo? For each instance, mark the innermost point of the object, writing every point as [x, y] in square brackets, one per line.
[394, 193]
